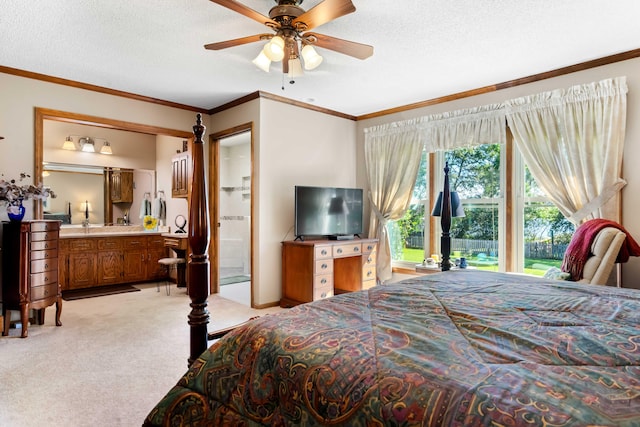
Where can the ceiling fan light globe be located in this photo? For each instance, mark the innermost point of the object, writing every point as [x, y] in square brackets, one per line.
[274, 50]
[311, 57]
[261, 61]
[295, 68]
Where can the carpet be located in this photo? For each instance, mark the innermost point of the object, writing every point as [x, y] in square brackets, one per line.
[234, 279]
[98, 291]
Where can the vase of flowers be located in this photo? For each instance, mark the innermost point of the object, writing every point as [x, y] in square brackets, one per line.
[16, 211]
[13, 194]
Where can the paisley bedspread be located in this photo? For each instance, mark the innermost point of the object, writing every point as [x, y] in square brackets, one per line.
[461, 348]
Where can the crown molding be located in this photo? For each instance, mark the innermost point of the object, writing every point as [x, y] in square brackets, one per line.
[623, 56]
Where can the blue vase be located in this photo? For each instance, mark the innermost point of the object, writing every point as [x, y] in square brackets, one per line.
[16, 213]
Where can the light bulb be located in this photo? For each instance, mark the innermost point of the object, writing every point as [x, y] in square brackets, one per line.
[311, 57]
[274, 50]
[262, 62]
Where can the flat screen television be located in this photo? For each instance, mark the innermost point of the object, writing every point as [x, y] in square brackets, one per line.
[335, 213]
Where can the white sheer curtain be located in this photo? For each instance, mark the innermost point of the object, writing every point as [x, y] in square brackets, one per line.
[465, 128]
[392, 155]
[572, 141]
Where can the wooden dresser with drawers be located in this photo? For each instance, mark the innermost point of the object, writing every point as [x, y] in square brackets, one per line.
[317, 269]
[30, 271]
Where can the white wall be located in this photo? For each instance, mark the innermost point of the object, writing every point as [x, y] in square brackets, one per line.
[166, 147]
[292, 146]
[631, 173]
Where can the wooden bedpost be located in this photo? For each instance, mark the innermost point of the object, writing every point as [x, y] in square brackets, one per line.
[445, 222]
[198, 285]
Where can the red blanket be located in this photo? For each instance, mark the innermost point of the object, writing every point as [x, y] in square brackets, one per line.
[579, 250]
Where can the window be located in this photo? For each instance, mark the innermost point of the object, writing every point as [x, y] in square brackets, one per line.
[546, 231]
[475, 174]
[539, 234]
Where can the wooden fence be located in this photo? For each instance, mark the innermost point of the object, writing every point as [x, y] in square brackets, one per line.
[469, 247]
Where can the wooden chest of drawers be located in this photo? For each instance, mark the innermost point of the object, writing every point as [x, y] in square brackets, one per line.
[30, 270]
[317, 269]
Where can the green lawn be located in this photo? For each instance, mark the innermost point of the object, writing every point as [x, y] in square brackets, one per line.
[536, 267]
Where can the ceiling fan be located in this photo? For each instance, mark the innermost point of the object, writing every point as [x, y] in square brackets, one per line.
[291, 39]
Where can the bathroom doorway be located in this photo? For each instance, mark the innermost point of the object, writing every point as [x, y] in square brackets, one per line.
[233, 214]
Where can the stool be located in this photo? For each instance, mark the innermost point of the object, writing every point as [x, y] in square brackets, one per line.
[169, 264]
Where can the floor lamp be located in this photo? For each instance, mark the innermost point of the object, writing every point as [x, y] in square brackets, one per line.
[447, 206]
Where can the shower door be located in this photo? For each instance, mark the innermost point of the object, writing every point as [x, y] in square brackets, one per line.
[234, 217]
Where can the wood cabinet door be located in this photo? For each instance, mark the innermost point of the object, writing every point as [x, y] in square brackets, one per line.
[121, 186]
[109, 267]
[155, 251]
[180, 172]
[63, 264]
[82, 270]
[134, 265]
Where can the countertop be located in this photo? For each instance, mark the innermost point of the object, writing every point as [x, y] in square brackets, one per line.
[109, 231]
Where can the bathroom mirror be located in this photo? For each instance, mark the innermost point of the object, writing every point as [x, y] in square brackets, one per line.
[133, 148]
[79, 191]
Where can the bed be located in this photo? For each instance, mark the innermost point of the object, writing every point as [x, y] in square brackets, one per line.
[457, 348]
[467, 348]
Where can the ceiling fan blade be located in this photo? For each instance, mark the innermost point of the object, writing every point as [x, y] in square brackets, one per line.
[237, 42]
[246, 11]
[324, 12]
[357, 50]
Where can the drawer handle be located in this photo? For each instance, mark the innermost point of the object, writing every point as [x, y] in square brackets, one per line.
[323, 252]
[369, 259]
[46, 278]
[324, 266]
[339, 250]
[46, 292]
[46, 266]
[369, 248]
[356, 249]
[323, 281]
[369, 273]
[323, 295]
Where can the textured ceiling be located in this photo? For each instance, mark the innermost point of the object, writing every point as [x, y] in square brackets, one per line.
[423, 49]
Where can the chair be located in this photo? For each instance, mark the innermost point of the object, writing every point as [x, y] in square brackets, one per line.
[604, 248]
[169, 264]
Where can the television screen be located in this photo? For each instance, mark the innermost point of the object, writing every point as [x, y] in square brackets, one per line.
[327, 211]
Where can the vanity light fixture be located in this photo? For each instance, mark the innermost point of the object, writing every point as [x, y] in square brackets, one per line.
[106, 148]
[68, 144]
[87, 144]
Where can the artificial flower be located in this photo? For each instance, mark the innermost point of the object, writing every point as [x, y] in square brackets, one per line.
[13, 194]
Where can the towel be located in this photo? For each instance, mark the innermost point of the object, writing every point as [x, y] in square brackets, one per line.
[579, 249]
[145, 208]
[159, 208]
